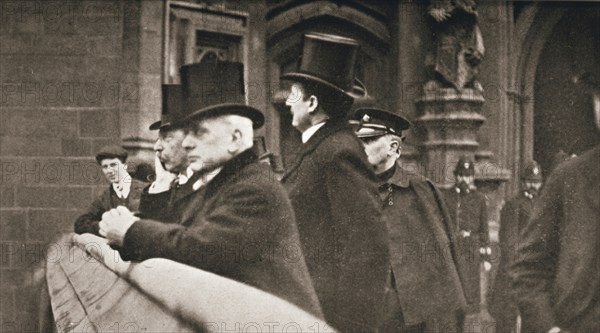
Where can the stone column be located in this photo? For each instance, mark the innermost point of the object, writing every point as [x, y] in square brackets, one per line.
[450, 120]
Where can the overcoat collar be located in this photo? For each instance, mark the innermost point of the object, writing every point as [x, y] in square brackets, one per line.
[400, 178]
[331, 127]
[229, 168]
[228, 171]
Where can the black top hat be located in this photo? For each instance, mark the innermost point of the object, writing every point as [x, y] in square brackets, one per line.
[327, 60]
[374, 122]
[171, 106]
[111, 151]
[532, 172]
[211, 89]
[465, 167]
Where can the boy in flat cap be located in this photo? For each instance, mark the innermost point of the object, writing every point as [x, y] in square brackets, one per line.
[424, 285]
[333, 191]
[238, 221]
[123, 190]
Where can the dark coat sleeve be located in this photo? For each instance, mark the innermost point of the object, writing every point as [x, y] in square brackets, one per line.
[154, 206]
[234, 220]
[88, 221]
[446, 219]
[361, 233]
[533, 270]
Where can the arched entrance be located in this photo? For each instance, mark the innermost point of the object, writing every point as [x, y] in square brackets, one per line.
[563, 114]
[554, 45]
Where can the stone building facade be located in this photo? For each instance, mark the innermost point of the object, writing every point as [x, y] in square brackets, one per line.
[77, 75]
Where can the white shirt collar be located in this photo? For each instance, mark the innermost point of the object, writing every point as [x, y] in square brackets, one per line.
[183, 177]
[306, 135]
[207, 177]
[122, 189]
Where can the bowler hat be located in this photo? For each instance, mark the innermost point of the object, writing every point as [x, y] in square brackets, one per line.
[532, 172]
[215, 88]
[111, 151]
[374, 122]
[465, 167]
[327, 61]
[171, 106]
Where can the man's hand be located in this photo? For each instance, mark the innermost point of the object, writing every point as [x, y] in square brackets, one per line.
[164, 178]
[115, 223]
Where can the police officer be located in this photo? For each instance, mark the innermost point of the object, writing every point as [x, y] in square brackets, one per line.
[514, 216]
[424, 285]
[469, 222]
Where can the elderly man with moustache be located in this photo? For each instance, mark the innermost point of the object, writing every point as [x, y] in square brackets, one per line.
[162, 199]
[425, 292]
[332, 189]
[238, 222]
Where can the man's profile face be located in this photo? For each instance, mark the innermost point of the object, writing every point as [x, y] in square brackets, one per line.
[377, 149]
[114, 170]
[206, 144]
[299, 107]
[170, 151]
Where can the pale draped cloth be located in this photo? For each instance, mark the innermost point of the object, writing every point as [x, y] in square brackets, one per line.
[92, 289]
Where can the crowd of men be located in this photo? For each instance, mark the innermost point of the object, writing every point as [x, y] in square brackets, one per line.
[361, 228]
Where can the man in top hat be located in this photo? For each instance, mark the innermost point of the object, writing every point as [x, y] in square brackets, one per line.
[163, 198]
[333, 190]
[238, 221]
[424, 285]
[469, 223]
[122, 191]
[513, 218]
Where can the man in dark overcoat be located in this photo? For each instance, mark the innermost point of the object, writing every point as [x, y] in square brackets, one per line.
[469, 223]
[239, 222]
[425, 288]
[122, 191]
[333, 189]
[556, 273]
[513, 218]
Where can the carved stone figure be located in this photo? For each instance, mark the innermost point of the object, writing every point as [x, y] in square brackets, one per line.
[459, 44]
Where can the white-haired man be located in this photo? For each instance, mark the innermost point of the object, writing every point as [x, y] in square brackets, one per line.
[238, 223]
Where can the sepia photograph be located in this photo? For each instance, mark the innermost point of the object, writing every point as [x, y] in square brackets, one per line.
[410, 166]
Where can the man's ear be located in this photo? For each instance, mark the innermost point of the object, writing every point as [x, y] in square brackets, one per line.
[394, 146]
[313, 103]
[125, 166]
[236, 141]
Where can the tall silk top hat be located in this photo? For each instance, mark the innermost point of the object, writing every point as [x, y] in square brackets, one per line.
[171, 107]
[327, 61]
[215, 88]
